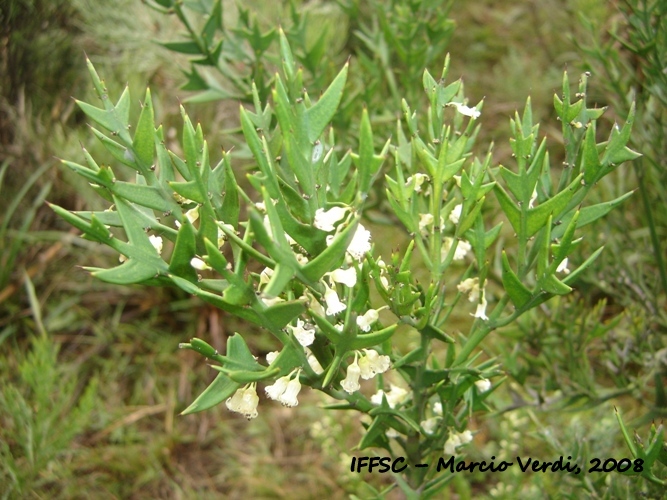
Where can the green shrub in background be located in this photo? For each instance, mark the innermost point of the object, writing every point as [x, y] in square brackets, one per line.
[303, 228]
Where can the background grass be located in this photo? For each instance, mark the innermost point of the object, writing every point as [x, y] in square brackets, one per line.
[91, 380]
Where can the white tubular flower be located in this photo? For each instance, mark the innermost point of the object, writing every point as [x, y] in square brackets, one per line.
[376, 398]
[455, 214]
[351, 382]
[277, 389]
[313, 362]
[305, 336]
[373, 363]
[481, 309]
[483, 385]
[465, 437]
[452, 442]
[347, 277]
[437, 408]
[419, 179]
[156, 241]
[314, 305]
[396, 395]
[334, 305]
[288, 397]
[462, 248]
[429, 425]
[193, 214]
[392, 433]
[360, 244]
[465, 110]
[265, 276]
[271, 301]
[271, 356]
[425, 220]
[244, 401]
[325, 220]
[562, 267]
[261, 206]
[533, 197]
[301, 259]
[199, 264]
[471, 287]
[122, 258]
[364, 322]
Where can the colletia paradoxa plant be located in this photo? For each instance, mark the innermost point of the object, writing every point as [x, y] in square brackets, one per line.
[295, 257]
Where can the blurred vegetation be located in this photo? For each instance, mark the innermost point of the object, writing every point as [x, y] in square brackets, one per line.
[91, 382]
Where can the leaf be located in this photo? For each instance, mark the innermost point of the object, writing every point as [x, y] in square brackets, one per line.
[129, 272]
[517, 291]
[282, 275]
[552, 284]
[185, 47]
[511, 211]
[590, 214]
[220, 389]
[282, 313]
[247, 376]
[321, 113]
[537, 217]
[146, 196]
[189, 190]
[114, 119]
[144, 137]
[184, 251]
[238, 355]
[372, 339]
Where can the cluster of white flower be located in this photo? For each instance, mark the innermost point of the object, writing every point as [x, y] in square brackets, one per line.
[370, 364]
[395, 396]
[455, 440]
[465, 110]
[305, 334]
[462, 248]
[416, 181]
[471, 287]
[244, 401]
[285, 389]
[483, 385]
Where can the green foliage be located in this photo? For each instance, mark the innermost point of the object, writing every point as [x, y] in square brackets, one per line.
[33, 405]
[295, 164]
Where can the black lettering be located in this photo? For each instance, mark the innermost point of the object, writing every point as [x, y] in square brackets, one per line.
[354, 459]
[523, 467]
[543, 468]
[502, 467]
[571, 468]
[384, 465]
[557, 465]
[375, 461]
[449, 464]
[363, 462]
[393, 466]
[461, 466]
[595, 468]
